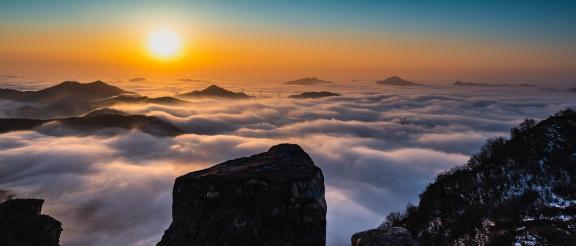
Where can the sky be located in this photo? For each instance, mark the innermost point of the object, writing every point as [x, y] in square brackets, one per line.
[114, 187]
[428, 41]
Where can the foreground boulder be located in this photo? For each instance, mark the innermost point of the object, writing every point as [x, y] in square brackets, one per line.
[384, 236]
[22, 224]
[272, 198]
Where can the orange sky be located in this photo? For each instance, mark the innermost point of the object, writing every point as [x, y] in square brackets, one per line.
[277, 51]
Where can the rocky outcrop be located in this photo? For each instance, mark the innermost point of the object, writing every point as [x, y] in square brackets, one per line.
[384, 236]
[272, 198]
[22, 224]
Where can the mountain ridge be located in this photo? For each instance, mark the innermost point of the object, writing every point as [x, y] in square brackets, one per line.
[513, 191]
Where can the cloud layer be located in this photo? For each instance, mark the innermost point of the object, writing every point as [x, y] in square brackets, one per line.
[116, 189]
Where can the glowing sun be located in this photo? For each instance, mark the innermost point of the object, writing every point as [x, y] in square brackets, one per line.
[164, 44]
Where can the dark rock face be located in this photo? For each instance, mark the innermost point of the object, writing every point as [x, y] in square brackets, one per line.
[384, 236]
[22, 224]
[272, 198]
[315, 94]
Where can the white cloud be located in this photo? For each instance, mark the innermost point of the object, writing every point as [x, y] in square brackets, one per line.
[115, 189]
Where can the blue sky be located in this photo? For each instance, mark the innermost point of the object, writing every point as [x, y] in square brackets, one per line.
[548, 26]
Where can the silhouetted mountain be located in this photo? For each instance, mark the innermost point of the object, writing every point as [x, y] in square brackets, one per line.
[72, 91]
[22, 224]
[216, 92]
[83, 105]
[308, 81]
[85, 125]
[460, 83]
[13, 95]
[137, 79]
[272, 198]
[105, 111]
[572, 90]
[140, 99]
[315, 94]
[9, 125]
[396, 81]
[68, 91]
[513, 192]
[55, 110]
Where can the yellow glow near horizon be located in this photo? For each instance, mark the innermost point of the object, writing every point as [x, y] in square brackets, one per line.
[165, 44]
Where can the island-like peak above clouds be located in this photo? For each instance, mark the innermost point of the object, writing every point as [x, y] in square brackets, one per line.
[460, 83]
[65, 91]
[216, 92]
[314, 94]
[307, 81]
[396, 81]
[572, 90]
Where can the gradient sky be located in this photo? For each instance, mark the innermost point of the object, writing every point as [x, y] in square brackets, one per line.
[434, 41]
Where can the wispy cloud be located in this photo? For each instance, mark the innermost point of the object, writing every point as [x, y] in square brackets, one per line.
[115, 189]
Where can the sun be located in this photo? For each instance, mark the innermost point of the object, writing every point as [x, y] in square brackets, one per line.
[164, 44]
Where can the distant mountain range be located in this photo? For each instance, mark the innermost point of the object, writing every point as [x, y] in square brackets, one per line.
[90, 123]
[314, 94]
[308, 81]
[214, 91]
[460, 83]
[86, 108]
[396, 81]
[106, 111]
[69, 99]
[513, 192]
[68, 91]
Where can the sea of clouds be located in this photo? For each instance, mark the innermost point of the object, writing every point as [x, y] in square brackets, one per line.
[115, 189]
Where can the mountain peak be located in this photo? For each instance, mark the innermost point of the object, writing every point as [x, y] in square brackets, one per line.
[308, 81]
[98, 82]
[216, 92]
[215, 88]
[68, 83]
[396, 81]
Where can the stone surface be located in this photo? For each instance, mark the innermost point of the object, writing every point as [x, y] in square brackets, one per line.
[384, 236]
[22, 224]
[272, 198]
